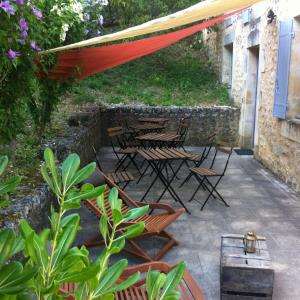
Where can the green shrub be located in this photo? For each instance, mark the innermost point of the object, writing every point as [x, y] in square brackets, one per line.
[49, 258]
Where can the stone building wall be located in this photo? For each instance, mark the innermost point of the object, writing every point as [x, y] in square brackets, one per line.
[276, 142]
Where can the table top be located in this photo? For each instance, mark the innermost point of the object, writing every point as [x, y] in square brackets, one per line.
[153, 120]
[163, 154]
[147, 126]
[160, 137]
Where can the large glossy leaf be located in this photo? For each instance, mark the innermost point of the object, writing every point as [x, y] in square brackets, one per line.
[13, 277]
[173, 278]
[50, 161]
[3, 164]
[154, 283]
[133, 230]
[7, 241]
[115, 203]
[117, 246]
[103, 226]
[82, 276]
[10, 185]
[47, 177]
[117, 216]
[86, 194]
[174, 295]
[70, 226]
[130, 281]
[110, 277]
[69, 168]
[100, 203]
[83, 174]
[135, 213]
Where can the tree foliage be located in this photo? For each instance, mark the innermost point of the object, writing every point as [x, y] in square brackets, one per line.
[133, 12]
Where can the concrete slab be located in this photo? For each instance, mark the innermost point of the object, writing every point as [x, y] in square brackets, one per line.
[258, 201]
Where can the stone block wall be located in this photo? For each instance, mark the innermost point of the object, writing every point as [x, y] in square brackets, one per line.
[204, 121]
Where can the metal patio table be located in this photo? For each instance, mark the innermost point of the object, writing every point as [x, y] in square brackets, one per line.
[158, 160]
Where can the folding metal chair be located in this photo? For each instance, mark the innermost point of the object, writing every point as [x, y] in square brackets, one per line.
[122, 148]
[118, 178]
[198, 159]
[203, 174]
[182, 131]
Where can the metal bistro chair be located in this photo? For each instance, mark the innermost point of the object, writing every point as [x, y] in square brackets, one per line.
[182, 131]
[122, 177]
[198, 159]
[122, 149]
[203, 174]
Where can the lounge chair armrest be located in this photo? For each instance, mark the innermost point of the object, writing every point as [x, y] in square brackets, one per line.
[166, 207]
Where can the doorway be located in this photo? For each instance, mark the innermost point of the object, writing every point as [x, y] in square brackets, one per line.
[249, 108]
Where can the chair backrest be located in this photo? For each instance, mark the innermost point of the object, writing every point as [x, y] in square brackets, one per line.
[208, 145]
[226, 150]
[183, 128]
[116, 135]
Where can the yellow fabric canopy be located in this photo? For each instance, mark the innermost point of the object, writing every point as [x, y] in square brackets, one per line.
[197, 12]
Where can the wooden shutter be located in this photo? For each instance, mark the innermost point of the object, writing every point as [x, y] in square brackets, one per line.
[283, 69]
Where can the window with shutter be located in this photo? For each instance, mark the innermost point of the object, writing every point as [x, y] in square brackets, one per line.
[283, 69]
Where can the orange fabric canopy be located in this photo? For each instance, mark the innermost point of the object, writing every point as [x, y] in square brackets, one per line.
[82, 63]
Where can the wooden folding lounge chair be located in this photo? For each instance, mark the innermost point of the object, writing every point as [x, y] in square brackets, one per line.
[119, 178]
[155, 224]
[203, 174]
[188, 287]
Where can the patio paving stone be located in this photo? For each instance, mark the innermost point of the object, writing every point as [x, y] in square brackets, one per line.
[258, 201]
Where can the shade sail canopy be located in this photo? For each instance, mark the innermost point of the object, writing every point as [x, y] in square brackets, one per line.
[82, 63]
[197, 12]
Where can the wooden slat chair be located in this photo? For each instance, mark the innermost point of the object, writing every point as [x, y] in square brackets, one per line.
[155, 224]
[198, 159]
[188, 287]
[182, 131]
[203, 174]
[122, 149]
[119, 178]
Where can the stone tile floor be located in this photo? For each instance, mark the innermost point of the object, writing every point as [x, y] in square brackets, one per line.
[258, 201]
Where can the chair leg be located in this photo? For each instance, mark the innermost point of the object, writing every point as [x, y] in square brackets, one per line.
[199, 186]
[213, 189]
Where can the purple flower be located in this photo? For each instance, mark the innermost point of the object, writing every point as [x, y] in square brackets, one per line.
[12, 54]
[34, 46]
[7, 7]
[24, 34]
[20, 2]
[23, 24]
[37, 13]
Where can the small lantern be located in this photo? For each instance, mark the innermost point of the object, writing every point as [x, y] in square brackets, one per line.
[250, 242]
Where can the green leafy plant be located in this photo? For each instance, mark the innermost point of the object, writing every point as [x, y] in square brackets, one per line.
[162, 286]
[49, 258]
[8, 185]
[14, 275]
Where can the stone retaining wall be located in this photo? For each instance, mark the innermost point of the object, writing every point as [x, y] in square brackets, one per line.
[88, 128]
[204, 121]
